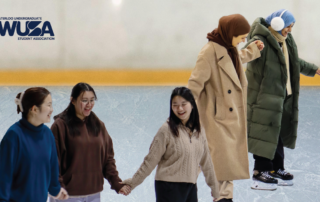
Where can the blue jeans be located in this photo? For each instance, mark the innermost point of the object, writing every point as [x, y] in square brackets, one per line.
[91, 198]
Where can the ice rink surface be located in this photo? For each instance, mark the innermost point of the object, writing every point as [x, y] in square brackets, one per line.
[133, 115]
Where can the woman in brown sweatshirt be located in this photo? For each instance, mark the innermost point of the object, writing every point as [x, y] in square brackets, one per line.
[85, 149]
[178, 149]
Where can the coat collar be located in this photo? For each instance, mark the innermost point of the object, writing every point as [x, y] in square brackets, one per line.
[260, 27]
[225, 62]
[31, 127]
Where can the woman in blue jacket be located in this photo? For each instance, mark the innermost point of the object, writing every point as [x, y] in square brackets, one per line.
[28, 157]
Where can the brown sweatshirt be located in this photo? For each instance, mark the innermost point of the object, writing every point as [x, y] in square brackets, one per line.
[84, 160]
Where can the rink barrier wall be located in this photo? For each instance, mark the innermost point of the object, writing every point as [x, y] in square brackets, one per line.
[100, 77]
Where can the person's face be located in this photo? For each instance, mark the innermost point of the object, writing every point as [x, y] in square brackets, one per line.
[239, 39]
[286, 30]
[84, 104]
[181, 108]
[43, 114]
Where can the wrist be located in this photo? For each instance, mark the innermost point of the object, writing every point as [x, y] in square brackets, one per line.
[59, 194]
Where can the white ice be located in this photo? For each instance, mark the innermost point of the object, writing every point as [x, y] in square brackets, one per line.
[133, 115]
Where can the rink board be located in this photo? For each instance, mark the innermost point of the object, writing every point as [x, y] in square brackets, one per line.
[100, 77]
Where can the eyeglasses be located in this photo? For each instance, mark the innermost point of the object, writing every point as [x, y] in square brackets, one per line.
[87, 101]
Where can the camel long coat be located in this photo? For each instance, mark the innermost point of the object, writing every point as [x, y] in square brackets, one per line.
[222, 102]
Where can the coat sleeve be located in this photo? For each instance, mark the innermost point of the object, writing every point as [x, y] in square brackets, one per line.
[307, 68]
[110, 171]
[54, 187]
[60, 148]
[199, 76]
[8, 157]
[251, 52]
[156, 151]
[208, 169]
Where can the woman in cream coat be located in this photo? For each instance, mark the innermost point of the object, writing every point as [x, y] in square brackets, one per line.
[219, 85]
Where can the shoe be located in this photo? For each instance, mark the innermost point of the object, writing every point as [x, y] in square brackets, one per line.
[284, 177]
[263, 181]
[225, 200]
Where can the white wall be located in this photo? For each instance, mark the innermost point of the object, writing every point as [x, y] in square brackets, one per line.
[139, 33]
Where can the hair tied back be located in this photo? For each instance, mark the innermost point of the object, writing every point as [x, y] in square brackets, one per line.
[18, 101]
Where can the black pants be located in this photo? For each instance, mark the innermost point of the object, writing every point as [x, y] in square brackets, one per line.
[265, 164]
[176, 192]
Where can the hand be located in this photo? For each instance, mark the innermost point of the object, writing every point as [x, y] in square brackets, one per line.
[63, 195]
[259, 44]
[125, 190]
[318, 71]
[214, 199]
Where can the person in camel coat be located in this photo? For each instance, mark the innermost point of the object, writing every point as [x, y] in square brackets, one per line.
[219, 85]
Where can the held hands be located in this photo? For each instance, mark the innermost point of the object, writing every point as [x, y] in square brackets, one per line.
[125, 190]
[259, 44]
[63, 195]
[318, 71]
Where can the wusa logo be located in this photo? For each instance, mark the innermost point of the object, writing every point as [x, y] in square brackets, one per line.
[34, 30]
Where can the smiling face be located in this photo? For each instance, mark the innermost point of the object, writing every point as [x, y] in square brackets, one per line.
[43, 114]
[181, 108]
[239, 39]
[287, 30]
[84, 104]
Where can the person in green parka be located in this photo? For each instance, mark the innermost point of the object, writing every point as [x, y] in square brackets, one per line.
[273, 94]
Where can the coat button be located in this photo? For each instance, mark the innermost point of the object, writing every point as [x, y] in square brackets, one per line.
[231, 109]
[229, 91]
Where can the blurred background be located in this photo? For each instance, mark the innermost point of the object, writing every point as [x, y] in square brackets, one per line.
[132, 36]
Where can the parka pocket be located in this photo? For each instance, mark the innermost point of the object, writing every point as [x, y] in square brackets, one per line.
[288, 106]
[219, 108]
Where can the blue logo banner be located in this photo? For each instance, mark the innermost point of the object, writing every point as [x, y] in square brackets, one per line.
[34, 28]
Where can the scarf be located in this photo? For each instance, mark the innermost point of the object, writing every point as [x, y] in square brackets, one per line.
[281, 39]
[230, 26]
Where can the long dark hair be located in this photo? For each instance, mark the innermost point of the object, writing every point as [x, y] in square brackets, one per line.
[69, 114]
[34, 96]
[194, 121]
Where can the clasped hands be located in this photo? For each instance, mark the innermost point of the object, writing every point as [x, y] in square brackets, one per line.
[63, 195]
[125, 190]
[259, 44]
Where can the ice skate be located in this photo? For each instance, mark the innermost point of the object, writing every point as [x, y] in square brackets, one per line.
[263, 181]
[284, 178]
